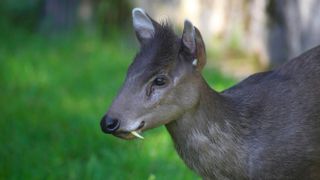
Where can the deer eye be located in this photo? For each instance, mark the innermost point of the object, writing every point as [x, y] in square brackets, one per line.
[159, 81]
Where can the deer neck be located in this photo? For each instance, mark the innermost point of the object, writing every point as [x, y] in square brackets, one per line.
[207, 138]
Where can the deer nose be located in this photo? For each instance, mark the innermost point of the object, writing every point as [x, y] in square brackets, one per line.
[109, 125]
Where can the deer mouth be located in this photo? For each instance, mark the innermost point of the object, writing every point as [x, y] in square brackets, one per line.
[128, 135]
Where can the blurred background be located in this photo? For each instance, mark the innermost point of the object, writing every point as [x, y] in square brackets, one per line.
[63, 61]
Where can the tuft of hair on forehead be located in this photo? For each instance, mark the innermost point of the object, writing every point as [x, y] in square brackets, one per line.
[159, 52]
[164, 35]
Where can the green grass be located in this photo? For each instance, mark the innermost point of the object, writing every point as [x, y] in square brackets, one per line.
[52, 96]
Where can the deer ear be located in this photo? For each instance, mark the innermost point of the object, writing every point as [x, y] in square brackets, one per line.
[143, 25]
[192, 41]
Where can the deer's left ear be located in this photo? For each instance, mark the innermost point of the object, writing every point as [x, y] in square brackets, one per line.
[143, 25]
[193, 43]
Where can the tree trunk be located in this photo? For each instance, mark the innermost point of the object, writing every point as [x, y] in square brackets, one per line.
[294, 28]
[59, 15]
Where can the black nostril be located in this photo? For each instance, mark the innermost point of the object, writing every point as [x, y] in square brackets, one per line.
[109, 125]
[112, 124]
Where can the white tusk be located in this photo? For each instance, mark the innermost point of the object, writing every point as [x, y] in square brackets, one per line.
[136, 134]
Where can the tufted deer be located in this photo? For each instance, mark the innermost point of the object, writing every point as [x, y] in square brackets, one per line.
[265, 127]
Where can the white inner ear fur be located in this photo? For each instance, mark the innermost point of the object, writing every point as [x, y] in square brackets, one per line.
[142, 24]
[195, 62]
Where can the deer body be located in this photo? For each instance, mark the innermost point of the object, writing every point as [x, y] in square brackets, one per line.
[210, 133]
[265, 127]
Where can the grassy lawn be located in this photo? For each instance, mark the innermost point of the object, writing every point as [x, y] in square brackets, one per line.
[52, 96]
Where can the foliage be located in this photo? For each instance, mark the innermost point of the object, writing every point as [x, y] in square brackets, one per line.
[53, 94]
[34, 16]
[112, 12]
[22, 14]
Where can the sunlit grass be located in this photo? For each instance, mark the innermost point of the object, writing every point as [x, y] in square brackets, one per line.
[53, 94]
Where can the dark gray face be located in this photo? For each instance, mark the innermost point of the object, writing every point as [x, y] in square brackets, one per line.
[161, 83]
